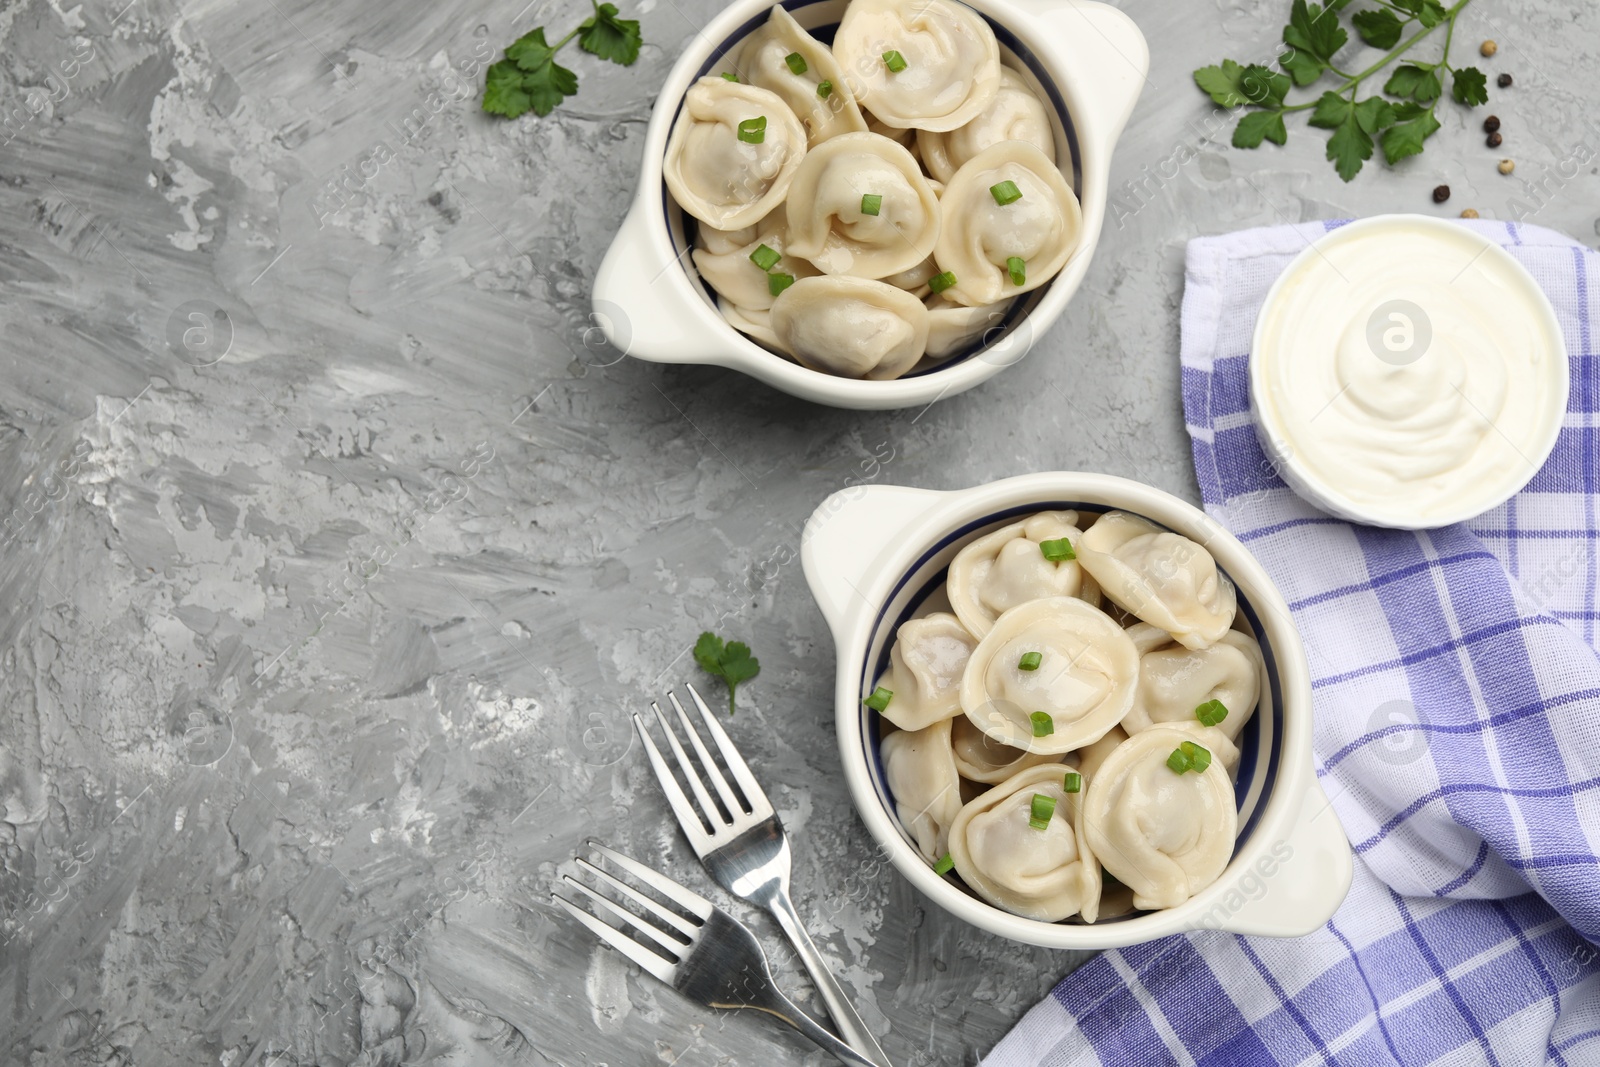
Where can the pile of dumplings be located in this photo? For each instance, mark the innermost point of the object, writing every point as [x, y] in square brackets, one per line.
[1065, 737]
[877, 204]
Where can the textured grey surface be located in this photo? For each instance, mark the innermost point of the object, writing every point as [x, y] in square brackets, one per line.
[314, 660]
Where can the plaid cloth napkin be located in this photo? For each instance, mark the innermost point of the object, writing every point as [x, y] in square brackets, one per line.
[1457, 701]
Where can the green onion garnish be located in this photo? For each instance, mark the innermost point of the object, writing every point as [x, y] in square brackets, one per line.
[1199, 755]
[1039, 814]
[765, 258]
[1058, 550]
[753, 131]
[1043, 724]
[1005, 193]
[1017, 267]
[880, 696]
[940, 282]
[1178, 761]
[894, 61]
[796, 61]
[777, 283]
[871, 204]
[945, 865]
[825, 88]
[1029, 661]
[730, 75]
[1211, 712]
[1072, 783]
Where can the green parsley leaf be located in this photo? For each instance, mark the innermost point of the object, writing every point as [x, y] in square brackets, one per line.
[1262, 86]
[1374, 114]
[530, 52]
[1349, 147]
[1419, 83]
[1302, 66]
[731, 661]
[1315, 30]
[1405, 137]
[1429, 13]
[1378, 27]
[1469, 86]
[503, 93]
[1223, 83]
[1258, 126]
[609, 37]
[1332, 110]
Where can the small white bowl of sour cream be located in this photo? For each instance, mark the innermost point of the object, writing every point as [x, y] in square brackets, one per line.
[1407, 372]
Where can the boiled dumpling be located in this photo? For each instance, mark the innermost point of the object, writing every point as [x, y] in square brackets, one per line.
[953, 327]
[835, 223]
[1162, 577]
[1164, 834]
[1015, 114]
[764, 60]
[756, 325]
[948, 57]
[979, 236]
[1078, 688]
[851, 327]
[1174, 681]
[921, 775]
[1007, 567]
[719, 177]
[980, 758]
[1047, 874]
[926, 663]
[914, 280]
[744, 282]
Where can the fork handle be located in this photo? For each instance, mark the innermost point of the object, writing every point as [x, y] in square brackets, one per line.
[845, 1017]
[770, 1001]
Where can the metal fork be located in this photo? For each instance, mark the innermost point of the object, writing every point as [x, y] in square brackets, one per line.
[743, 845]
[703, 952]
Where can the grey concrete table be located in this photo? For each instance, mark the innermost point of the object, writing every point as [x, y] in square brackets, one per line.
[322, 617]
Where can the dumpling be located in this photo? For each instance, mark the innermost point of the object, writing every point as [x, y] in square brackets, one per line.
[1051, 676]
[953, 327]
[835, 222]
[984, 224]
[851, 327]
[980, 758]
[921, 775]
[915, 279]
[744, 282]
[721, 242]
[1007, 567]
[1162, 577]
[1174, 681]
[1047, 874]
[764, 60]
[948, 59]
[757, 325]
[1092, 755]
[1015, 114]
[925, 667]
[720, 167]
[1166, 835]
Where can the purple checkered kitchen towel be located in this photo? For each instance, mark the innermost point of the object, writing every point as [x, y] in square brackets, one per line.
[1456, 675]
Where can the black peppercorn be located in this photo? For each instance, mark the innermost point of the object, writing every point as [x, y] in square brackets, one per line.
[1491, 124]
[1494, 140]
[1504, 81]
[1441, 194]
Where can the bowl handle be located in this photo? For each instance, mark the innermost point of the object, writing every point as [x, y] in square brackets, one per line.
[845, 536]
[1298, 884]
[1105, 50]
[640, 302]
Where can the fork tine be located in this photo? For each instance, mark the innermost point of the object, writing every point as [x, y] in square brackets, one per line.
[689, 819]
[692, 902]
[707, 805]
[762, 807]
[620, 941]
[731, 802]
[672, 946]
[687, 928]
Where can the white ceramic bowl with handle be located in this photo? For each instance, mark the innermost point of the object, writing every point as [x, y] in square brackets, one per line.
[873, 554]
[1086, 60]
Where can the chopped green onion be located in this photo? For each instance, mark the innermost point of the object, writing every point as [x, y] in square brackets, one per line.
[1072, 783]
[1017, 267]
[1039, 814]
[940, 282]
[880, 696]
[1178, 761]
[730, 75]
[1058, 550]
[753, 131]
[1211, 712]
[945, 865]
[766, 258]
[824, 88]
[1043, 724]
[777, 283]
[894, 61]
[1199, 755]
[871, 204]
[1005, 192]
[796, 61]
[1029, 661]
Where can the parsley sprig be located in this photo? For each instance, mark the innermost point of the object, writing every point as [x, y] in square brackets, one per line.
[731, 661]
[530, 79]
[1399, 121]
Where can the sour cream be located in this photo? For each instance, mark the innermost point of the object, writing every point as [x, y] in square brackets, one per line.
[1407, 372]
